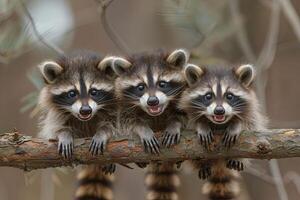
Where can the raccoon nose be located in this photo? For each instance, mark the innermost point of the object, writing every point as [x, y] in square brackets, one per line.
[153, 101]
[85, 110]
[219, 110]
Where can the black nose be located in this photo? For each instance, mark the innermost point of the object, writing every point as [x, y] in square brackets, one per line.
[85, 110]
[153, 101]
[219, 110]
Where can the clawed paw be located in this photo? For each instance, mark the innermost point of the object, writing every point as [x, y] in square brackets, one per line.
[109, 169]
[150, 144]
[235, 164]
[170, 138]
[65, 147]
[205, 138]
[229, 139]
[98, 144]
[204, 172]
[142, 164]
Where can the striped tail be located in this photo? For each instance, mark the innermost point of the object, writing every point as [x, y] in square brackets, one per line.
[94, 184]
[162, 181]
[223, 183]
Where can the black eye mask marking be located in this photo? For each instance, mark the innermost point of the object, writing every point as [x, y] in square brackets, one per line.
[66, 98]
[206, 99]
[234, 101]
[100, 96]
[135, 92]
[169, 88]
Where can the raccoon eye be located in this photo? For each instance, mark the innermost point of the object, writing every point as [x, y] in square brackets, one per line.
[229, 96]
[94, 92]
[208, 96]
[141, 87]
[72, 94]
[162, 84]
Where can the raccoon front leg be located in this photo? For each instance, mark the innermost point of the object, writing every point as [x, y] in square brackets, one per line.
[204, 134]
[99, 141]
[65, 143]
[109, 169]
[148, 139]
[172, 134]
[231, 134]
[235, 164]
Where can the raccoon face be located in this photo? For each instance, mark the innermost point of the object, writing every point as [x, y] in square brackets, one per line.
[150, 81]
[218, 94]
[79, 85]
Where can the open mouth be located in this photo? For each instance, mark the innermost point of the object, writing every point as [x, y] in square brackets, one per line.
[155, 110]
[84, 117]
[219, 118]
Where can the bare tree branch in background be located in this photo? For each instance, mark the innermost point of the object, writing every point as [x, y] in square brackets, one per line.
[241, 33]
[36, 32]
[263, 63]
[291, 15]
[114, 37]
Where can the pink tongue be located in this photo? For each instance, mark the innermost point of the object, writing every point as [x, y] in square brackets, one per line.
[219, 117]
[154, 109]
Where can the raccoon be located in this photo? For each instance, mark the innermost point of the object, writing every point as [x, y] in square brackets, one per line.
[221, 101]
[77, 101]
[148, 87]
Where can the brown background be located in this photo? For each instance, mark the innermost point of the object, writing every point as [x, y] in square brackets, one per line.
[142, 28]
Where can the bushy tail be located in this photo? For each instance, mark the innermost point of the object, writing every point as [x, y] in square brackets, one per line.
[162, 181]
[94, 184]
[223, 183]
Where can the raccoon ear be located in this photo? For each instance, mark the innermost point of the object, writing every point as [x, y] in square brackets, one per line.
[178, 58]
[193, 73]
[50, 70]
[106, 65]
[120, 65]
[245, 74]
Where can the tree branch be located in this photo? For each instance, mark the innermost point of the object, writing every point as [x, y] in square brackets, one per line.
[29, 153]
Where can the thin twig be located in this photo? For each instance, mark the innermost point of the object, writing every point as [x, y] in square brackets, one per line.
[36, 32]
[291, 15]
[115, 38]
[293, 177]
[241, 32]
[260, 175]
[275, 171]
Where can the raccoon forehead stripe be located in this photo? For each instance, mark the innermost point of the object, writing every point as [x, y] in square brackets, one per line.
[130, 82]
[61, 89]
[199, 91]
[102, 86]
[172, 77]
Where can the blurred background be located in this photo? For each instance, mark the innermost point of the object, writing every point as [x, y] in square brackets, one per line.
[263, 32]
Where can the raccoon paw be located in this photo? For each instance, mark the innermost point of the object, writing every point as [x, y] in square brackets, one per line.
[98, 144]
[109, 169]
[205, 138]
[170, 138]
[230, 139]
[204, 172]
[142, 164]
[150, 144]
[65, 147]
[235, 164]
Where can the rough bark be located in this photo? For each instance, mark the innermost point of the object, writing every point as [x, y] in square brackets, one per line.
[29, 153]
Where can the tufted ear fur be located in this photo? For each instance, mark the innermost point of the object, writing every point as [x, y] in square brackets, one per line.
[50, 71]
[178, 58]
[245, 74]
[121, 65]
[193, 74]
[106, 66]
